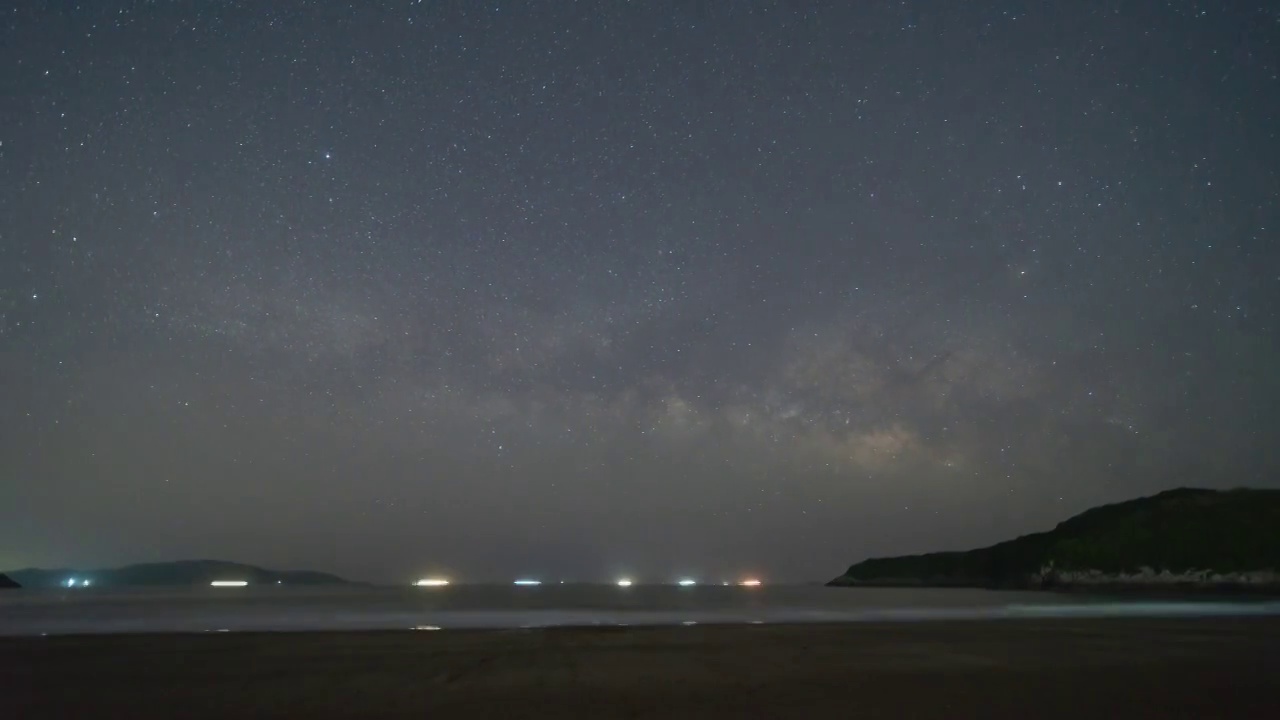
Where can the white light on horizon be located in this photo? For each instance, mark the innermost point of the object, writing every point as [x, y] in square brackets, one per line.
[431, 582]
[624, 583]
[687, 583]
[85, 583]
[229, 583]
[528, 582]
[750, 583]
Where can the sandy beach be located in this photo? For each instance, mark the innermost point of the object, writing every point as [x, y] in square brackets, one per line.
[1193, 668]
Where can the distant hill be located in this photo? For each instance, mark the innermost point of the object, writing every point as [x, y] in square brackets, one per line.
[1179, 539]
[7, 583]
[183, 572]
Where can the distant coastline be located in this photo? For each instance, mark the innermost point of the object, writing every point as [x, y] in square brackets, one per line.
[168, 574]
[1179, 541]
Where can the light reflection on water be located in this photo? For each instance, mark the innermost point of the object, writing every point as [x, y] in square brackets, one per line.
[51, 612]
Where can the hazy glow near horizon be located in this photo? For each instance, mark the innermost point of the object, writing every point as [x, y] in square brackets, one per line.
[750, 583]
[229, 583]
[431, 582]
[624, 583]
[686, 583]
[528, 582]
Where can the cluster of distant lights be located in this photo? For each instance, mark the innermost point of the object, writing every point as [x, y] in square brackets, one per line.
[84, 583]
[442, 582]
[621, 582]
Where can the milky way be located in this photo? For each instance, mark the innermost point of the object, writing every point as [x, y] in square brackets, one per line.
[655, 288]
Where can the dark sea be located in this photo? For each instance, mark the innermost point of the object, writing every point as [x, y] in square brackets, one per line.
[282, 608]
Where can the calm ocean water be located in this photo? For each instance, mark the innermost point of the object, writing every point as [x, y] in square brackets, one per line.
[90, 610]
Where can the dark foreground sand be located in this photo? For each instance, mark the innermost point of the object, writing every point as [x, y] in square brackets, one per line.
[1206, 668]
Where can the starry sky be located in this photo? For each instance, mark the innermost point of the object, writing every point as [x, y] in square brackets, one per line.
[576, 289]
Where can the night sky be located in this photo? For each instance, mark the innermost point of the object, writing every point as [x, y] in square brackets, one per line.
[577, 289]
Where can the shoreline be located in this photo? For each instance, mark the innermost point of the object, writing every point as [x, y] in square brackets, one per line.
[1067, 668]
[1225, 590]
[122, 619]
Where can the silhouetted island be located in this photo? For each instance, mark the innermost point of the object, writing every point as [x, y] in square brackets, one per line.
[1180, 539]
[182, 572]
[8, 583]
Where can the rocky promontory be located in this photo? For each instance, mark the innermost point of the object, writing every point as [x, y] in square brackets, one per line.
[1183, 539]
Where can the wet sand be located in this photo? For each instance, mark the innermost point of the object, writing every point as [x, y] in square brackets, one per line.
[1131, 668]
